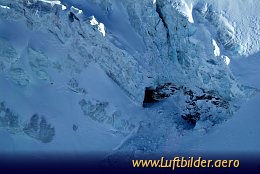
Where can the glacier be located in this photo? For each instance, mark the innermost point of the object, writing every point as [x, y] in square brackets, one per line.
[124, 76]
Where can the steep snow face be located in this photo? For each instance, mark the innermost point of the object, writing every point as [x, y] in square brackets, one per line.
[182, 51]
[236, 28]
[239, 134]
[96, 59]
[55, 67]
[160, 24]
[77, 34]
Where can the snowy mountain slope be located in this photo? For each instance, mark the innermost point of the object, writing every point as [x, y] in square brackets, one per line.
[246, 69]
[236, 24]
[115, 20]
[73, 33]
[39, 68]
[239, 134]
[85, 67]
[63, 111]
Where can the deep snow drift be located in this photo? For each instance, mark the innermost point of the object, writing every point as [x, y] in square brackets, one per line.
[128, 76]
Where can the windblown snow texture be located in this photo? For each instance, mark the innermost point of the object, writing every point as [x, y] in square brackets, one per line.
[126, 76]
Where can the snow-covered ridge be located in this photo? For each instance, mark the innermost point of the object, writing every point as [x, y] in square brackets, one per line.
[172, 59]
[94, 60]
[77, 32]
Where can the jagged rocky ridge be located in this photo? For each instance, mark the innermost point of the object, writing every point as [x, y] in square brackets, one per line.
[165, 60]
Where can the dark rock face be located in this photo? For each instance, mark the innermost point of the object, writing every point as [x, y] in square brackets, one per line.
[39, 129]
[72, 16]
[161, 92]
[8, 119]
[149, 97]
[193, 109]
[98, 111]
